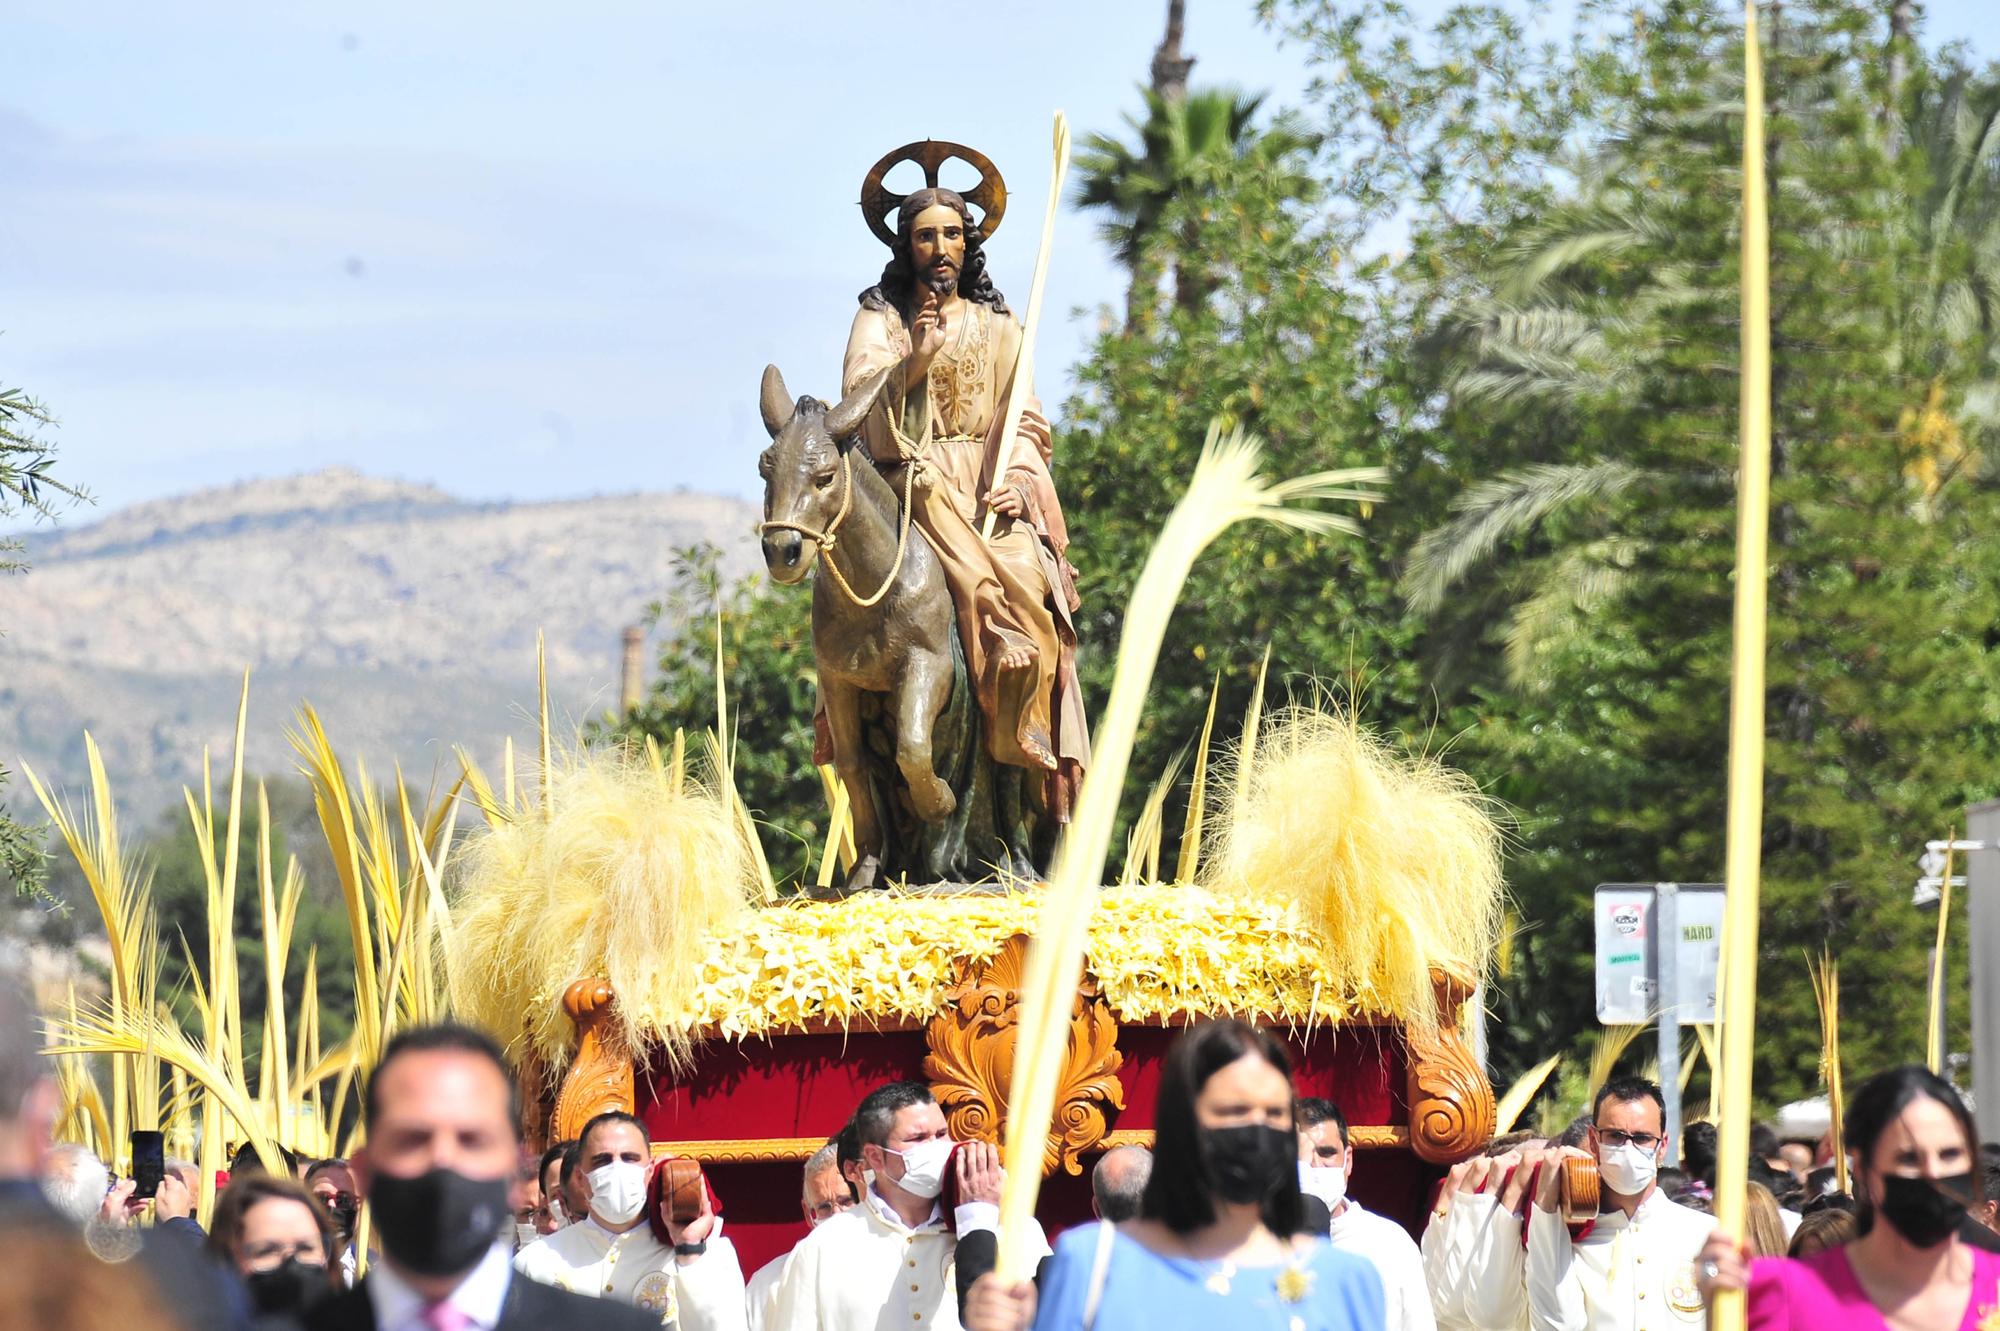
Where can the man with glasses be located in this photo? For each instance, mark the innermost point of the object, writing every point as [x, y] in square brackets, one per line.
[1632, 1269]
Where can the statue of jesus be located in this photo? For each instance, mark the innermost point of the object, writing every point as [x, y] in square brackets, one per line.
[936, 320]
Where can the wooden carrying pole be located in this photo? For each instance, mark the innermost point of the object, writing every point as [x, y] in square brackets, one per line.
[1024, 361]
[1746, 693]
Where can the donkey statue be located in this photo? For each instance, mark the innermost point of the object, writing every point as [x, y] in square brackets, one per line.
[929, 804]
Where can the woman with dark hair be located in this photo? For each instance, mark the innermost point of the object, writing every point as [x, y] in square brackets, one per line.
[1220, 1240]
[1828, 1227]
[275, 1235]
[1912, 1144]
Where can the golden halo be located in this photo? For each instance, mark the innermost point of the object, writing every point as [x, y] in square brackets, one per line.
[879, 203]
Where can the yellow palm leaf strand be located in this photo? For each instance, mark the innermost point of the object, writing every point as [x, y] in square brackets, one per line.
[1253, 720]
[512, 792]
[334, 804]
[1190, 856]
[1517, 1097]
[97, 1031]
[232, 993]
[1142, 843]
[1744, 842]
[542, 697]
[122, 896]
[1225, 489]
[838, 815]
[1825, 977]
[273, 1071]
[1934, 1050]
[1611, 1045]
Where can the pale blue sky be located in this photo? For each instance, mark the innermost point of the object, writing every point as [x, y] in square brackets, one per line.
[515, 249]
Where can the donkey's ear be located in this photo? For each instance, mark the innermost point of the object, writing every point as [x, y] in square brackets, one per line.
[846, 418]
[774, 401]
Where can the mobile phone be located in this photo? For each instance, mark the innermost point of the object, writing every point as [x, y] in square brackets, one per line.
[149, 1162]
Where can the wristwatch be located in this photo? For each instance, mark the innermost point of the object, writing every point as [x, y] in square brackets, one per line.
[691, 1249]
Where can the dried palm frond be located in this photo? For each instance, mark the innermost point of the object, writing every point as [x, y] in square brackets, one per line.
[80, 1115]
[1253, 721]
[1190, 857]
[719, 760]
[542, 731]
[122, 894]
[1825, 977]
[1934, 1050]
[279, 909]
[1142, 842]
[1705, 1036]
[1516, 1098]
[1612, 1042]
[389, 858]
[1393, 858]
[839, 848]
[1225, 489]
[97, 1030]
[334, 801]
[625, 879]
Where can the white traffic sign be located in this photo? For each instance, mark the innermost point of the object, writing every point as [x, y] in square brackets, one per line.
[1628, 961]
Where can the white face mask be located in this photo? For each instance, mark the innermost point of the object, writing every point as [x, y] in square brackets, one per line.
[923, 1167]
[524, 1235]
[1628, 1171]
[557, 1210]
[617, 1191]
[1326, 1182]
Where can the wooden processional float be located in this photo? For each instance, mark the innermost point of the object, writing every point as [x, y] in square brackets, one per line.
[752, 1110]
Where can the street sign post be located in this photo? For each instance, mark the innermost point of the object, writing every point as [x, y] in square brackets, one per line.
[1642, 977]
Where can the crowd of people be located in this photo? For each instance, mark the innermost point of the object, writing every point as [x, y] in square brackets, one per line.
[1240, 1214]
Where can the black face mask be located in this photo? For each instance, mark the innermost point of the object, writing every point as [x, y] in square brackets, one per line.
[291, 1286]
[1248, 1163]
[343, 1220]
[1921, 1210]
[439, 1223]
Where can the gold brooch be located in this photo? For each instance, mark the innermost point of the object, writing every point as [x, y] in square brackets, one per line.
[1295, 1283]
[1989, 1318]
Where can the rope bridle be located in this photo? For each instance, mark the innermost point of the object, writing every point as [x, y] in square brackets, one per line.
[825, 537]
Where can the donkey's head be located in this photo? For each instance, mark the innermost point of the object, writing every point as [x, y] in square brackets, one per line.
[804, 484]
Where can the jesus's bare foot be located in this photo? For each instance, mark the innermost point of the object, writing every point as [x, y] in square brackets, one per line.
[1015, 658]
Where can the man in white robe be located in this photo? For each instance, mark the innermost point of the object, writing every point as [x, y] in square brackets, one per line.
[694, 1284]
[890, 1261]
[1326, 1162]
[826, 1195]
[1630, 1269]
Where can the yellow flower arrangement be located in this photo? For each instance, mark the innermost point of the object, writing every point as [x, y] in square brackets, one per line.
[1157, 950]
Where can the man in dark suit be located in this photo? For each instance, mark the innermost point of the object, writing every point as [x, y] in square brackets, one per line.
[443, 1126]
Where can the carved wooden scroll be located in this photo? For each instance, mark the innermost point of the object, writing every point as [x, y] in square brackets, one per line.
[971, 1059]
[1451, 1102]
[598, 1079]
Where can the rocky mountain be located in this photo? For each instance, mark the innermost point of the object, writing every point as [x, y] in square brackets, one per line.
[406, 616]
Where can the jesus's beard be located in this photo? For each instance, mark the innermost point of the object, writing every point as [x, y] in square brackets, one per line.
[942, 279]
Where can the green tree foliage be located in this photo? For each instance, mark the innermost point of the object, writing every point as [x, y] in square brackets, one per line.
[1579, 590]
[1506, 268]
[28, 486]
[1184, 146]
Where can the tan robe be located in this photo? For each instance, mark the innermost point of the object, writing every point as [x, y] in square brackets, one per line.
[1018, 589]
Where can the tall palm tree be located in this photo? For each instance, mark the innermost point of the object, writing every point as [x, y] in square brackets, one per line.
[1183, 149]
[1546, 334]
